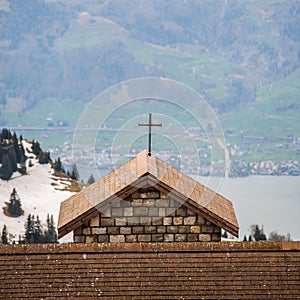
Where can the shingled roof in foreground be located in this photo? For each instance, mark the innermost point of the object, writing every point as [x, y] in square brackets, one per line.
[129, 177]
[240, 270]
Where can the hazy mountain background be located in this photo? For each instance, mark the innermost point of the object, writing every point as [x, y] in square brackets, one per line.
[242, 56]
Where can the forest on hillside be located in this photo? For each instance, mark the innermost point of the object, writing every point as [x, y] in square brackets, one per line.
[87, 46]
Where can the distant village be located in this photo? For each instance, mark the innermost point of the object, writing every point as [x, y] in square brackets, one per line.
[105, 160]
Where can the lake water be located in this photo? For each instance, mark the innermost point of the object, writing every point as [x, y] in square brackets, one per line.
[273, 202]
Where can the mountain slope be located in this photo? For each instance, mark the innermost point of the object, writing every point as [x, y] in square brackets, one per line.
[40, 191]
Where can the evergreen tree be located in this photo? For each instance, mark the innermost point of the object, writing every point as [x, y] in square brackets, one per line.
[91, 179]
[12, 157]
[245, 239]
[29, 229]
[74, 173]
[4, 236]
[37, 231]
[36, 147]
[258, 233]
[44, 157]
[1, 152]
[16, 147]
[58, 165]
[14, 207]
[6, 170]
[225, 235]
[50, 235]
[21, 240]
[6, 134]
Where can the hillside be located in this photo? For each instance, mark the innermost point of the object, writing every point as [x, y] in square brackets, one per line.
[41, 190]
[242, 56]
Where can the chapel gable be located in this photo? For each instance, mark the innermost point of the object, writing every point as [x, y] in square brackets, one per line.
[146, 200]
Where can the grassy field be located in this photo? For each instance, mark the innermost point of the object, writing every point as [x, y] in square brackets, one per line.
[275, 112]
[88, 31]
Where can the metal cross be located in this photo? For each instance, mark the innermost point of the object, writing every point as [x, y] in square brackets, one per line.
[150, 124]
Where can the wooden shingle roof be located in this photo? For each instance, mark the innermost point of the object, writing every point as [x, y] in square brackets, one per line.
[241, 270]
[150, 170]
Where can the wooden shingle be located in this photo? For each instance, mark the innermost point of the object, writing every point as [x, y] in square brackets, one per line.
[241, 270]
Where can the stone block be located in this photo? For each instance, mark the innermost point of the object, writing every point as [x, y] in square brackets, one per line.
[216, 237]
[125, 230]
[172, 229]
[170, 211]
[217, 229]
[116, 204]
[137, 202]
[190, 212]
[116, 212]
[99, 230]
[106, 213]
[189, 220]
[161, 229]
[153, 211]
[138, 229]
[135, 195]
[204, 237]
[144, 238]
[200, 220]
[149, 202]
[91, 239]
[79, 239]
[161, 211]
[107, 222]
[180, 237]
[103, 238]
[173, 203]
[181, 211]
[192, 237]
[150, 229]
[184, 229]
[146, 220]
[128, 211]
[177, 220]
[113, 230]
[162, 203]
[121, 221]
[150, 194]
[131, 238]
[126, 203]
[157, 238]
[207, 229]
[86, 231]
[117, 239]
[157, 221]
[95, 221]
[169, 237]
[167, 221]
[78, 231]
[133, 220]
[195, 229]
[140, 211]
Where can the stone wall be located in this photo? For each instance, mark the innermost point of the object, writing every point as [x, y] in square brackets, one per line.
[147, 216]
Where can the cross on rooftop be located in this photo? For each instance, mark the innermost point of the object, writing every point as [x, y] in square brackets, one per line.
[150, 125]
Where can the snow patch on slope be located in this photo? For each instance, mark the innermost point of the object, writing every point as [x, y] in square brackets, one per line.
[40, 191]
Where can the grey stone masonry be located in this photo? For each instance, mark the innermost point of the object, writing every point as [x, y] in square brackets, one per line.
[147, 216]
